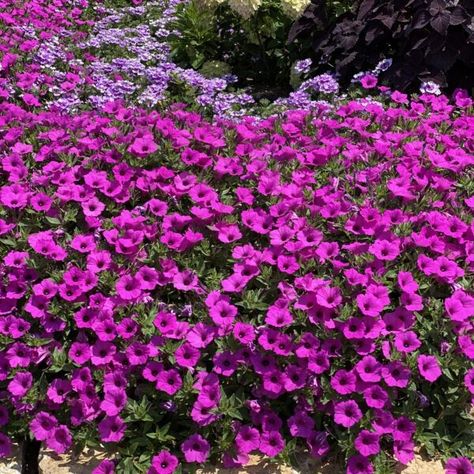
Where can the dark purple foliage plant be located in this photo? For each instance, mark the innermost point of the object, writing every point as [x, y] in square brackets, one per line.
[428, 40]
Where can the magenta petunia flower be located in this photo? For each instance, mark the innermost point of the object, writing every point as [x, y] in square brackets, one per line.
[344, 382]
[225, 363]
[369, 304]
[111, 429]
[329, 297]
[20, 385]
[92, 207]
[105, 467]
[163, 463]
[369, 369]
[79, 352]
[460, 465]
[137, 353]
[375, 397]
[222, 312]
[187, 355]
[295, 377]
[359, 464]
[459, 306]
[15, 259]
[354, 328]
[368, 81]
[287, 264]
[271, 443]
[114, 401]
[367, 443]
[201, 335]
[128, 287]
[404, 451]
[247, 439]
[59, 439]
[403, 429]
[195, 449]
[411, 301]
[19, 355]
[469, 380]
[228, 233]
[278, 317]
[232, 460]
[318, 444]
[202, 415]
[186, 281]
[169, 381]
[395, 374]
[429, 367]
[210, 395]
[319, 362]
[406, 282]
[347, 413]
[42, 425]
[385, 249]
[143, 147]
[102, 353]
[244, 332]
[301, 425]
[58, 390]
[406, 342]
[382, 422]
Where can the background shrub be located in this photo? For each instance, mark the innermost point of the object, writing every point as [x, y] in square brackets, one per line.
[428, 40]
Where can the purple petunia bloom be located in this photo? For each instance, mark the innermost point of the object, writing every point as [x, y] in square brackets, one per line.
[105, 467]
[347, 413]
[359, 464]
[195, 449]
[169, 381]
[367, 443]
[271, 443]
[406, 341]
[21, 383]
[247, 439]
[429, 367]
[459, 466]
[163, 463]
[111, 429]
[59, 439]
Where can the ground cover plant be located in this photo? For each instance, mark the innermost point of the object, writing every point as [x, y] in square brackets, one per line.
[179, 287]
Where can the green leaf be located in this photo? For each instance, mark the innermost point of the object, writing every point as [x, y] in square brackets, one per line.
[53, 220]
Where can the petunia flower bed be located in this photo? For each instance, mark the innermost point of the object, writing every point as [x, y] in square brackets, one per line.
[176, 291]
[216, 290]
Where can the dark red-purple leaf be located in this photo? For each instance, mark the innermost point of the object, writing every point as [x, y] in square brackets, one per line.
[440, 23]
[458, 16]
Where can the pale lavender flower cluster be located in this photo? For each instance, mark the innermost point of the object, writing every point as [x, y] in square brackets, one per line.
[303, 66]
[145, 71]
[430, 87]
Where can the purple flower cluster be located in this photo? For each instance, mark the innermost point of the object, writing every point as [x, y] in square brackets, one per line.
[114, 62]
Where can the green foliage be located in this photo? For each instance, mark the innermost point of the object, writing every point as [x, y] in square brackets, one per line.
[253, 49]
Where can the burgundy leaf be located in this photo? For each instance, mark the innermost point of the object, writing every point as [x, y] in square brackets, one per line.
[440, 23]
